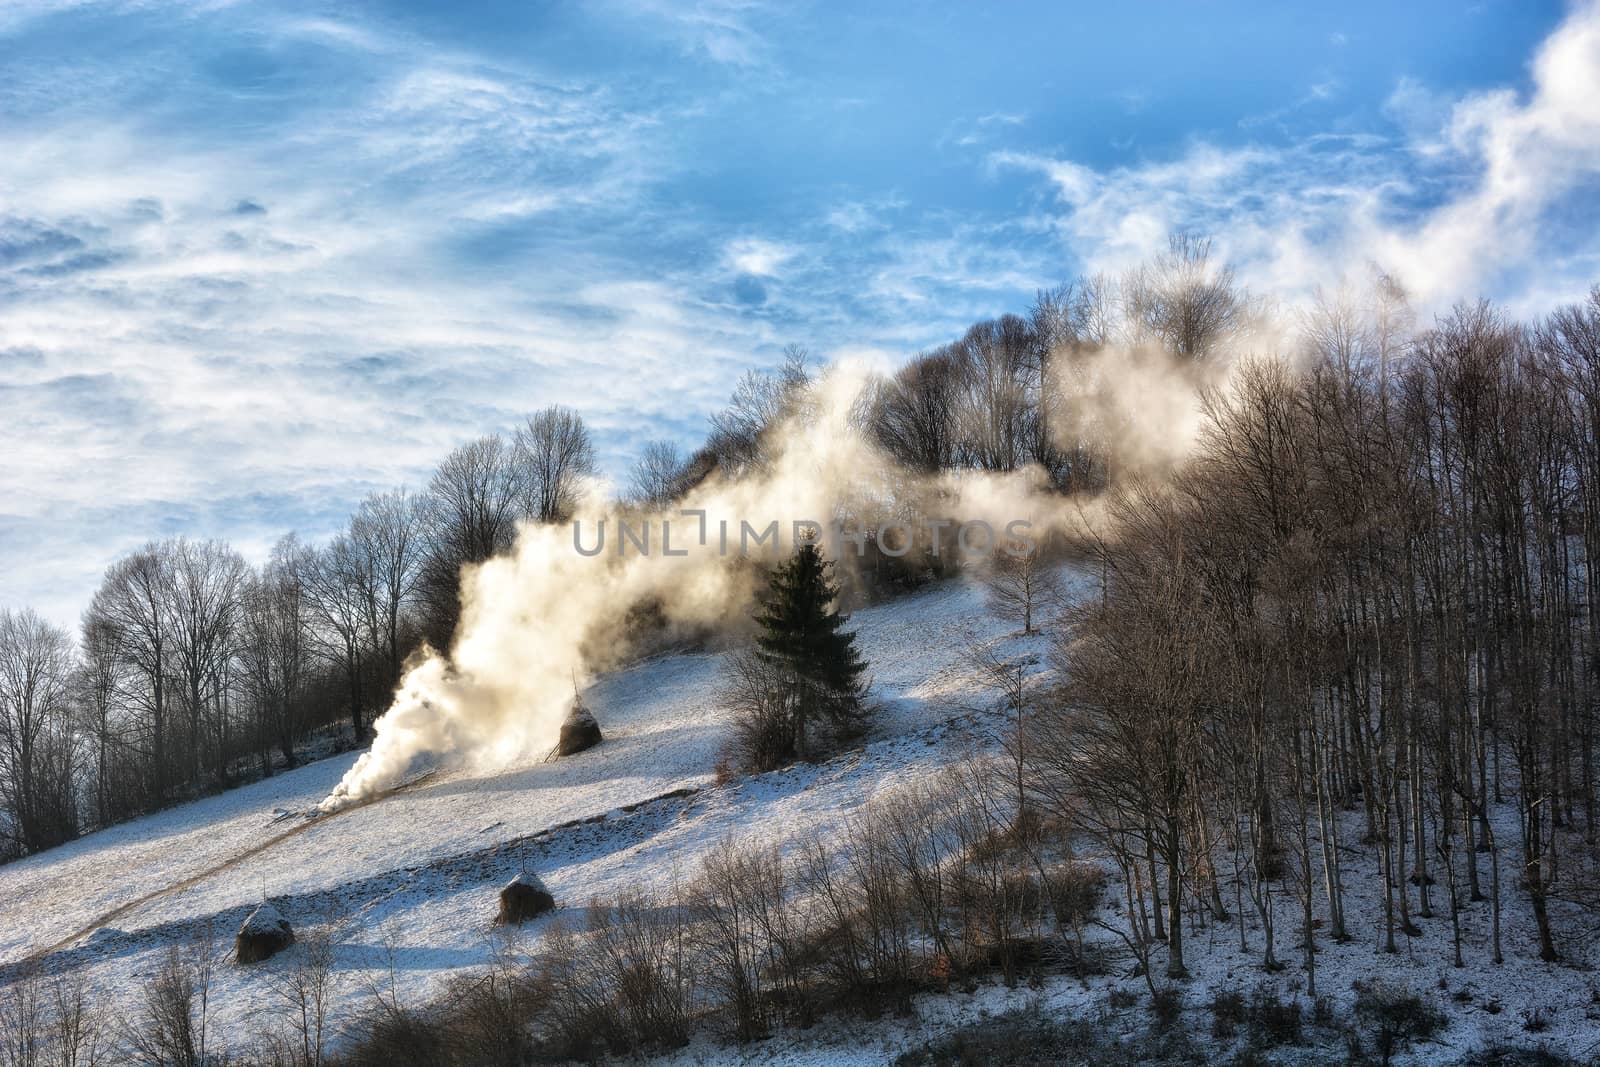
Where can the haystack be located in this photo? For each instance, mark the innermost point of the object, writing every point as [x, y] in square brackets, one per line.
[264, 934]
[524, 898]
[579, 731]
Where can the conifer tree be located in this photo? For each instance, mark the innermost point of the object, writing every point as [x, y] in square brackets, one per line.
[803, 640]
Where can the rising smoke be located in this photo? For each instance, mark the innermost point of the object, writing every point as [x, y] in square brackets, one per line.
[547, 618]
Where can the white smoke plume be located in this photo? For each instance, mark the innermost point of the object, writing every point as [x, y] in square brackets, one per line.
[547, 617]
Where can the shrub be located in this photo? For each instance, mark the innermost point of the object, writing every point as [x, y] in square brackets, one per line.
[490, 1015]
[1166, 1005]
[1498, 1055]
[754, 693]
[172, 1028]
[1273, 1021]
[1022, 1038]
[1122, 999]
[1227, 1013]
[1075, 890]
[390, 1036]
[638, 958]
[1396, 1015]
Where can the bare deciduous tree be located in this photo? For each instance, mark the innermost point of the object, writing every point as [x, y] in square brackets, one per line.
[337, 579]
[1022, 587]
[36, 731]
[305, 991]
[658, 475]
[203, 614]
[388, 530]
[1184, 300]
[275, 650]
[554, 449]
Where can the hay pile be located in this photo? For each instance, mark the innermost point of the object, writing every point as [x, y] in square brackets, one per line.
[265, 933]
[579, 731]
[523, 898]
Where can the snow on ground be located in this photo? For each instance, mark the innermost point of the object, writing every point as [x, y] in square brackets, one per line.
[412, 879]
[410, 882]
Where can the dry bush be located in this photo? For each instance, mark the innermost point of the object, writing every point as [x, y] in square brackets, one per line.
[491, 1015]
[1074, 889]
[623, 984]
[1397, 1016]
[1227, 1013]
[305, 990]
[77, 1025]
[835, 948]
[1000, 897]
[745, 934]
[23, 1018]
[49, 1022]
[583, 1023]
[390, 1034]
[1027, 1037]
[1274, 1021]
[643, 945]
[170, 1031]
[757, 696]
[886, 917]
[915, 827]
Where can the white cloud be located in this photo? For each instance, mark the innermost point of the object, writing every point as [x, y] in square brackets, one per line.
[752, 255]
[195, 367]
[1466, 198]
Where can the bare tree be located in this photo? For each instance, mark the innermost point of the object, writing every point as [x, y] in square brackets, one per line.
[1006, 677]
[1126, 740]
[77, 1023]
[101, 678]
[757, 693]
[555, 451]
[474, 502]
[203, 613]
[996, 408]
[24, 1041]
[1184, 300]
[337, 579]
[657, 477]
[1022, 587]
[740, 432]
[131, 604]
[914, 415]
[173, 1024]
[36, 743]
[388, 530]
[275, 649]
[305, 991]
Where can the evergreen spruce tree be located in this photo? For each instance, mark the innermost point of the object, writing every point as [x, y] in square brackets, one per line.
[802, 638]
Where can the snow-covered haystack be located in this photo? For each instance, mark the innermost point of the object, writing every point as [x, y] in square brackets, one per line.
[524, 897]
[264, 934]
[579, 731]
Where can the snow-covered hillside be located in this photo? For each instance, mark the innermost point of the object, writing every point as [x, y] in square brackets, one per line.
[409, 883]
[413, 877]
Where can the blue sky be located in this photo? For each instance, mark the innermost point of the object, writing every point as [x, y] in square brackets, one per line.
[257, 259]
